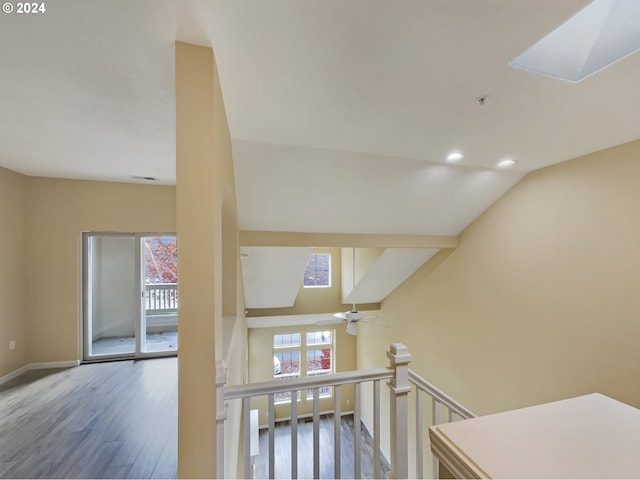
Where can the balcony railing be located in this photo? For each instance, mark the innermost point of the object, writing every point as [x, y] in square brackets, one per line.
[161, 299]
[401, 380]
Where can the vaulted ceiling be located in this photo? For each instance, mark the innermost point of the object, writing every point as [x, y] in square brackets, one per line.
[341, 112]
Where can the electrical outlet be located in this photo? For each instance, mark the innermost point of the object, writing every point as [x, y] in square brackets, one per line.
[12, 344]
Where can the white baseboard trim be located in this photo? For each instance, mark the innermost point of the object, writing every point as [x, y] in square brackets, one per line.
[62, 364]
[38, 366]
[14, 374]
[305, 416]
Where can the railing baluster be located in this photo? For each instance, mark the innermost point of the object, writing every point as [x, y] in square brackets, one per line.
[337, 420]
[246, 407]
[435, 412]
[435, 420]
[272, 437]
[357, 454]
[376, 429]
[161, 298]
[294, 434]
[316, 432]
[419, 439]
[221, 416]
[450, 416]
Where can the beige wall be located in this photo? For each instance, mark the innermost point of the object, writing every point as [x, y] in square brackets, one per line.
[40, 247]
[540, 301]
[57, 213]
[13, 301]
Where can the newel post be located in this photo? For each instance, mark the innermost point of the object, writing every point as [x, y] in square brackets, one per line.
[221, 416]
[400, 358]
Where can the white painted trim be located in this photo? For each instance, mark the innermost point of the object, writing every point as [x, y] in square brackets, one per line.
[14, 374]
[254, 238]
[295, 320]
[38, 366]
[305, 416]
[62, 364]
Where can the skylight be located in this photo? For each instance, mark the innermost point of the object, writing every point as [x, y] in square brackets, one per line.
[603, 32]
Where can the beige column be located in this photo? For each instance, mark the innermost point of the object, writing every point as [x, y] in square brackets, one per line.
[198, 220]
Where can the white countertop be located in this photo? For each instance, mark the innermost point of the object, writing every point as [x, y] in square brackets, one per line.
[592, 436]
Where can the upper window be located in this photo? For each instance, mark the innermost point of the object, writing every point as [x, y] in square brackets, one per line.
[318, 272]
[286, 340]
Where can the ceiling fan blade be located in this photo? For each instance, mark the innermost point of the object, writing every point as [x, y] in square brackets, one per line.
[375, 324]
[342, 315]
[330, 321]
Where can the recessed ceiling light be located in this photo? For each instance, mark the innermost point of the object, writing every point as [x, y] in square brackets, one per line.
[600, 34]
[507, 162]
[454, 157]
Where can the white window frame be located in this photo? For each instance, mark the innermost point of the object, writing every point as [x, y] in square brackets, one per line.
[303, 348]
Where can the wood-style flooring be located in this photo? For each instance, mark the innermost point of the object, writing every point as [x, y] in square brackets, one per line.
[282, 453]
[119, 420]
[106, 420]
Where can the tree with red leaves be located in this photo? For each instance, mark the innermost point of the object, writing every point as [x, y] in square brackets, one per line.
[161, 260]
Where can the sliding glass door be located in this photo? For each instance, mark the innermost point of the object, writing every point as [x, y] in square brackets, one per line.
[130, 295]
[160, 286]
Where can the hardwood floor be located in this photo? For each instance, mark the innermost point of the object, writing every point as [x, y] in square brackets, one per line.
[106, 420]
[305, 453]
[119, 420]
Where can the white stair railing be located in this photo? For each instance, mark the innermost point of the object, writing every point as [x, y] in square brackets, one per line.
[438, 399]
[401, 381]
[337, 380]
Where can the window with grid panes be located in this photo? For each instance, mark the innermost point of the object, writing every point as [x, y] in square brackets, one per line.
[307, 354]
[318, 271]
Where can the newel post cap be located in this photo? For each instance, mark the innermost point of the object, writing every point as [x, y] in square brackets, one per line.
[399, 354]
[221, 373]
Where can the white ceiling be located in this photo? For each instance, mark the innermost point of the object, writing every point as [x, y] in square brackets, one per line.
[341, 111]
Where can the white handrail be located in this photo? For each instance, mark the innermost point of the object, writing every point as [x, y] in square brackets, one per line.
[439, 395]
[341, 378]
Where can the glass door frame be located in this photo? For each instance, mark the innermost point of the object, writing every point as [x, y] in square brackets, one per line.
[140, 317]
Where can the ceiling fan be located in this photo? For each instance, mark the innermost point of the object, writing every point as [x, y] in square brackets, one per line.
[351, 317]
